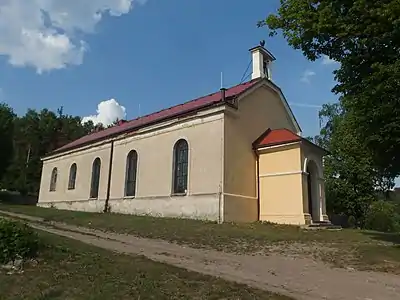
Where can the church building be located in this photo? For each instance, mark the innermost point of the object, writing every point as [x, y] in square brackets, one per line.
[236, 155]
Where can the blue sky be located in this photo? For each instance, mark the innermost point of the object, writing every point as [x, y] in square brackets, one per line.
[147, 57]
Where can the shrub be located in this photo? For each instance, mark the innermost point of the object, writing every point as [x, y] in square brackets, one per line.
[17, 240]
[382, 216]
[352, 222]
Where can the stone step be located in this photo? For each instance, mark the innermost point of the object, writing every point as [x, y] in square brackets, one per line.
[322, 222]
[323, 225]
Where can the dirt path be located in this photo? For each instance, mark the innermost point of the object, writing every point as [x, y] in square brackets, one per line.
[297, 277]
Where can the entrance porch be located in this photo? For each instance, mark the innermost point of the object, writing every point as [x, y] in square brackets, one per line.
[290, 179]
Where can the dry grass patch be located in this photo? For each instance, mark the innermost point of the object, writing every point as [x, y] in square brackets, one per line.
[68, 269]
[346, 248]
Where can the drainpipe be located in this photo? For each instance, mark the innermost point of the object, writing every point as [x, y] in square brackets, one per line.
[221, 185]
[106, 205]
[220, 206]
[258, 184]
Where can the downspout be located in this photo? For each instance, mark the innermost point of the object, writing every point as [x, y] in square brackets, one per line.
[106, 205]
[220, 205]
[221, 186]
[258, 184]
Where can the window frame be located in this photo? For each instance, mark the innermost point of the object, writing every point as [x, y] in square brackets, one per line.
[72, 179]
[93, 195]
[53, 179]
[131, 168]
[180, 168]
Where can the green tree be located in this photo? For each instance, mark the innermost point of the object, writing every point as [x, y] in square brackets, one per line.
[349, 172]
[37, 134]
[6, 137]
[364, 37]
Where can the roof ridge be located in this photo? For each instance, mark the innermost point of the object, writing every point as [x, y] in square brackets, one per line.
[194, 99]
[177, 105]
[157, 116]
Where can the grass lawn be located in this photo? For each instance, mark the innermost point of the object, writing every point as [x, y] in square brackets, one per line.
[355, 248]
[69, 269]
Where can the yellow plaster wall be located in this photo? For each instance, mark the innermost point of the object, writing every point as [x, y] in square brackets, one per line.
[84, 161]
[204, 134]
[281, 186]
[258, 111]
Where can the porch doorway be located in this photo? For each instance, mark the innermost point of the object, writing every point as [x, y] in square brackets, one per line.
[312, 188]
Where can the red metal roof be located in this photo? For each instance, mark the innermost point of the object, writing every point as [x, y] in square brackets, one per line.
[193, 105]
[277, 137]
[280, 137]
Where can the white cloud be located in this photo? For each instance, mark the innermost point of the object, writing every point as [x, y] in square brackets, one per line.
[107, 112]
[306, 105]
[307, 75]
[328, 61]
[46, 34]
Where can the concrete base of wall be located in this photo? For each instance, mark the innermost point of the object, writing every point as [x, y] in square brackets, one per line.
[191, 207]
[202, 207]
[325, 218]
[85, 205]
[284, 219]
[308, 219]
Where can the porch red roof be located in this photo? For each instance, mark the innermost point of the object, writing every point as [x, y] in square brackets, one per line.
[281, 137]
[175, 111]
[276, 137]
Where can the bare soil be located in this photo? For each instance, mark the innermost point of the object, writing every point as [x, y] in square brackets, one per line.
[350, 248]
[291, 275]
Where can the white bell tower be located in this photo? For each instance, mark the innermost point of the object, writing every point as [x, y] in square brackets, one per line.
[262, 60]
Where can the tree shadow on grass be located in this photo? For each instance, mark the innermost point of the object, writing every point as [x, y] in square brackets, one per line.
[385, 237]
[51, 294]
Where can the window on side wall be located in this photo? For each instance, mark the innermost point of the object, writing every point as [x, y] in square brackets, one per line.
[180, 168]
[53, 180]
[95, 182]
[72, 177]
[130, 174]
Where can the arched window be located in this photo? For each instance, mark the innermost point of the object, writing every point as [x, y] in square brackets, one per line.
[130, 174]
[53, 180]
[72, 177]
[181, 155]
[95, 183]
